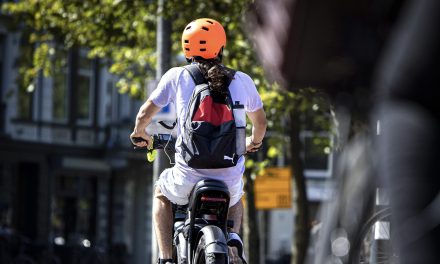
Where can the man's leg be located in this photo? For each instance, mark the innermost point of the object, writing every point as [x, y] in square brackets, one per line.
[236, 214]
[163, 224]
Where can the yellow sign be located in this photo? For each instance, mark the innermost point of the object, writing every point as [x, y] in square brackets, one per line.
[273, 189]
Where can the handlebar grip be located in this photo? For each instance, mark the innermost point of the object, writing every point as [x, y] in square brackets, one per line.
[138, 139]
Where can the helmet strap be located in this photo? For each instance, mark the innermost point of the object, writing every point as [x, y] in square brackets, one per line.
[220, 55]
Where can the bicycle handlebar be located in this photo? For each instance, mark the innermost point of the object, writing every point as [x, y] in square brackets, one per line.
[160, 141]
[166, 142]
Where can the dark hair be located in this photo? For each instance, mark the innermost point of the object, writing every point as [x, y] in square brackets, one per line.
[216, 74]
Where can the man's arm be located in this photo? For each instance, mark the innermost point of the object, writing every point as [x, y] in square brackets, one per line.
[143, 119]
[259, 124]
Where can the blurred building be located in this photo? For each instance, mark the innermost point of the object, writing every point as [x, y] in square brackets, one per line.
[68, 174]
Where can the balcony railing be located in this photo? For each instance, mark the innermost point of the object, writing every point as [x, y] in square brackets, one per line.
[112, 135]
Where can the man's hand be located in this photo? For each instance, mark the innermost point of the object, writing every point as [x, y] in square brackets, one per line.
[141, 134]
[252, 146]
[259, 124]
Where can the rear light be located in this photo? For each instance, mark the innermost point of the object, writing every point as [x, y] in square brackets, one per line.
[213, 199]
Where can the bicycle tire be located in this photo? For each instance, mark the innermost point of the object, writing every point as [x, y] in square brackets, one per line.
[201, 257]
[361, 252]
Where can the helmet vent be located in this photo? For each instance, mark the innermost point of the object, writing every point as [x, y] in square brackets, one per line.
[187, 49]
[205, 28]
[186, 41]
[202, 49]
[202, 41]
[188, 27]
[209, 21]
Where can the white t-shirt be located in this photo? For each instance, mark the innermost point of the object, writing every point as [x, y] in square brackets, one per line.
[177, 86]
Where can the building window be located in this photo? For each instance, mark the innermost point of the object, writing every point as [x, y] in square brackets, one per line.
[315, 158]
[24, 104]
[317, 154]
[85, 89]
[59, 105]
[83, 98]
[24, 94]
[109, 105]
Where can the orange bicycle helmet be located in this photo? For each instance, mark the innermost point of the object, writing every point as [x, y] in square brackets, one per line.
[203, 37]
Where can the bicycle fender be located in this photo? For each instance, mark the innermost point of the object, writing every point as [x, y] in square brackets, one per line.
[215, 240]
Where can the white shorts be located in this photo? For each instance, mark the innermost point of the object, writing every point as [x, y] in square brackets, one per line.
[178, 189]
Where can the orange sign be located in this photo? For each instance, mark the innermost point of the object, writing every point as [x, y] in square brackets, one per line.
[273, 189]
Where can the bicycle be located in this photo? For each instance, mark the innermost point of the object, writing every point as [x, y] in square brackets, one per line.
[374, 244]
[201, 228]
[357, 221]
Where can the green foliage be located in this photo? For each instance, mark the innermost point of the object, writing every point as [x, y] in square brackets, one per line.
[123, 33]
[310, 105]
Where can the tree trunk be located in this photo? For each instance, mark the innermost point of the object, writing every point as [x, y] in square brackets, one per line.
[301, 234]
[250, 225]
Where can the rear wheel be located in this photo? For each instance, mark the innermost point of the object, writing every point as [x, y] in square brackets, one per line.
[374, 243]
[202, 256]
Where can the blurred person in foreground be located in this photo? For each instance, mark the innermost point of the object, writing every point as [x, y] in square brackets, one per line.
[408, 109]
[406, 103]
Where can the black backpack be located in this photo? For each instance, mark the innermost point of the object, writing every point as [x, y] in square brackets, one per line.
[209, 134]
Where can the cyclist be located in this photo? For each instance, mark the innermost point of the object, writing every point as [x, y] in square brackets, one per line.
[176, 85]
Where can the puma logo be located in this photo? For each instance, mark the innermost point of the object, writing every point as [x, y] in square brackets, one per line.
[228, 158]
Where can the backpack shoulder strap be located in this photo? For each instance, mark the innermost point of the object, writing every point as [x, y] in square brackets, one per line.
[232, 71]
[227, 85]
[195, 73]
